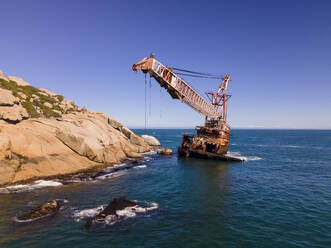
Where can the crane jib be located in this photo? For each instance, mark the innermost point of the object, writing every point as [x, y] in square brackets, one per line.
[177, 87]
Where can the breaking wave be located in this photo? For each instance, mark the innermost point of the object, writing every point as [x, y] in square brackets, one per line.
[292, 146]
[125, 213]
[107, 173]
[28, 187]
[140, 166]
[244, 158]
[87, 213]
[150, 152]
[103, 176]
[253, 158]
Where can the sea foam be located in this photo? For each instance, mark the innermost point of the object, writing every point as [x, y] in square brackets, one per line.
[244, 158]
[28, 187]
[128, 212]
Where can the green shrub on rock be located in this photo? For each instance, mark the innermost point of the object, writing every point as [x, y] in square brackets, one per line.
[35, 98]
[60, 98]
[30, 108]
[48, 112]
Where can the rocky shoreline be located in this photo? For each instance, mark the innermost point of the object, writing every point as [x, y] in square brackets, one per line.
[43, 136]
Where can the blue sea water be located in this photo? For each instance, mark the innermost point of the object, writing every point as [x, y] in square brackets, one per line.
[279, 197]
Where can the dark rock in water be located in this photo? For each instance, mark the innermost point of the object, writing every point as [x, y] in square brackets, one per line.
[44, 210]
[164, 151]
[114, 205]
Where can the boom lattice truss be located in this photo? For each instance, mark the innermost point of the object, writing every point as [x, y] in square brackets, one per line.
[179, 89]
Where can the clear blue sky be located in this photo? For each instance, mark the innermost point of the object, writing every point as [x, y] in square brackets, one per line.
[277, 52]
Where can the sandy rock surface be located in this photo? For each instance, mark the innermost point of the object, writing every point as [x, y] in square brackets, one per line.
[43, 134]
[7, 98]
[164, 151]
[37, 148]
[152, 141]
[18, 80]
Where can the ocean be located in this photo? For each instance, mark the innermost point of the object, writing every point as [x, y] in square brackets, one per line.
[279, 197]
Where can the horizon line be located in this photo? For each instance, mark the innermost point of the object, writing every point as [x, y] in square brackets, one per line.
[236, 128]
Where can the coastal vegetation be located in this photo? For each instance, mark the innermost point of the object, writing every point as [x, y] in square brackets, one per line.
[36, 101]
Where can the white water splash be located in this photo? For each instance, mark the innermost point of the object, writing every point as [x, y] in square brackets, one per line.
[292, 146]
[87, 213]
[150, 152]
[140, 166]
[111, 175]
[244, 158]
[132, 211]
[128, 212]
[28, 187]
[253, 158]
[121, 166]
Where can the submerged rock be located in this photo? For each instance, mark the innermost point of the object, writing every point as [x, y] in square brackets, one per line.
[113, 206]
[164, 151]
[44, 210]
[150, 140]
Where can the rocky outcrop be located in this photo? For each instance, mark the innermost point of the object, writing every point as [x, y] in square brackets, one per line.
[46, 209]
[7, 98]
[13, 114]
[47, 92]
[114, 205]
[39, 138]
[36, 102]
[164, 151]
[18, 81]
[11, 109]
[152, 141]
[37, 148]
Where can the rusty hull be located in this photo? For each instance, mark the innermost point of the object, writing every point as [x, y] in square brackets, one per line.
[211, 142]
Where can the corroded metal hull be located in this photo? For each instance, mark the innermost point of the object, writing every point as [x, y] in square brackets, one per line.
[211, 141]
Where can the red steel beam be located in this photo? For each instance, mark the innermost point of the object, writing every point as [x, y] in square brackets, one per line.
[177, 87]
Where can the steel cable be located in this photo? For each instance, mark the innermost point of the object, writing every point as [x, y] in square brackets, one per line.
[195, 72]
[198, 76]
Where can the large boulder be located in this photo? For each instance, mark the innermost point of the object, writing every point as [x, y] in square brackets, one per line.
[48, 92]
[93, 139]
[7, 98]
[164, 151]
[152, 141]
[13, 114]
[49, 105]
[114, 123]
[18, 81]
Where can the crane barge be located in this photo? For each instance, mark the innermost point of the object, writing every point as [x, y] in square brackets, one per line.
[212, 139]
